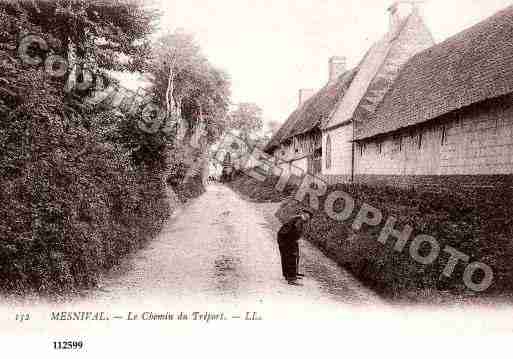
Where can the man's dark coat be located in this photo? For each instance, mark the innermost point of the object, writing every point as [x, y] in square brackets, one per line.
[288, 237]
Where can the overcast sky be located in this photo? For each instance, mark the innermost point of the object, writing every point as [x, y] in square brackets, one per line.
[272, 48]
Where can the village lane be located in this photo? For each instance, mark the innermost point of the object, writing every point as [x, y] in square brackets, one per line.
[221, 249]
[219, 255]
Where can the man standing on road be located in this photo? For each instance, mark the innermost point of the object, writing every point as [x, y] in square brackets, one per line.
[288, 237]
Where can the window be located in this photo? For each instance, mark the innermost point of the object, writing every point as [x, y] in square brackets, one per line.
[380, 147]
[420, 140]
[328, 152]
[444, 135]
[399, 143]
[362, 148]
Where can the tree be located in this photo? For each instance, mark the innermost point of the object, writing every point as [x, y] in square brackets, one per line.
[111, 35]
[186, 83]
[72, 201]
[247, 119]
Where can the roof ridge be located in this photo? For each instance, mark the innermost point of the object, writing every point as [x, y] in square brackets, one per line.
[365, 73]
[387, 41]
[499, 14]
[406, 22]
[357, 69]
[364, 78]
[475, 63]
[342, 79]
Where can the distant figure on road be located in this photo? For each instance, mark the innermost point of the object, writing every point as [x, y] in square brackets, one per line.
[227, 173]
[288, 237]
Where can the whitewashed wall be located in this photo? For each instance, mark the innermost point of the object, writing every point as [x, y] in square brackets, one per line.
[341, 151]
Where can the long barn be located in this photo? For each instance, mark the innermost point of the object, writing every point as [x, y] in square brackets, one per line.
[448, 119]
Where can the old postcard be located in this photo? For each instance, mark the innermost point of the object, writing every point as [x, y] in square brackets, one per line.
[238, 178]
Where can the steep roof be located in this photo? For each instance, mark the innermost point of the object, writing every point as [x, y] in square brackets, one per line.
[357, 93]
[380, 68]
[282, 132]
[318, 108]
[314, 111]
[470, 67]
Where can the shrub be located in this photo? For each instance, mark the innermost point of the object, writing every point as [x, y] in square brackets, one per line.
[73, 206]
[477, 223]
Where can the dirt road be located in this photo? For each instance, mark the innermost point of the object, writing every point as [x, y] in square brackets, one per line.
[222, 249]
[219, 255]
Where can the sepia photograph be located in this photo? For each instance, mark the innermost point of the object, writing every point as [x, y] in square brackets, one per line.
[241, 178]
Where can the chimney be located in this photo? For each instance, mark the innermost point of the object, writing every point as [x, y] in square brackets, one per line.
[400, 10]
[337, 66]
[304, 95]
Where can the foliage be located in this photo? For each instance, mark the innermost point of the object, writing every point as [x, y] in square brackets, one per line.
[73, 201]
[101, 32]
[477, 223]
[84, 186]
[201, 92]
[246, 118]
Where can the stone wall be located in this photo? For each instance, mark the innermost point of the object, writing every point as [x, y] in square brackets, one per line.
[474, 141]
[469, 148]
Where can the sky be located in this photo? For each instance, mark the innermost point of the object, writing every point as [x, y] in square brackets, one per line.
[272, 48]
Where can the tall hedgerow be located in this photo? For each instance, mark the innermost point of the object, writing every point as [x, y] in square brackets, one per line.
[74, 201]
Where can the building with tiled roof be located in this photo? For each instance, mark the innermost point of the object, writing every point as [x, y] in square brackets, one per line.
[407, 36]
[298, 141]
[318, 136]
[449, 112]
